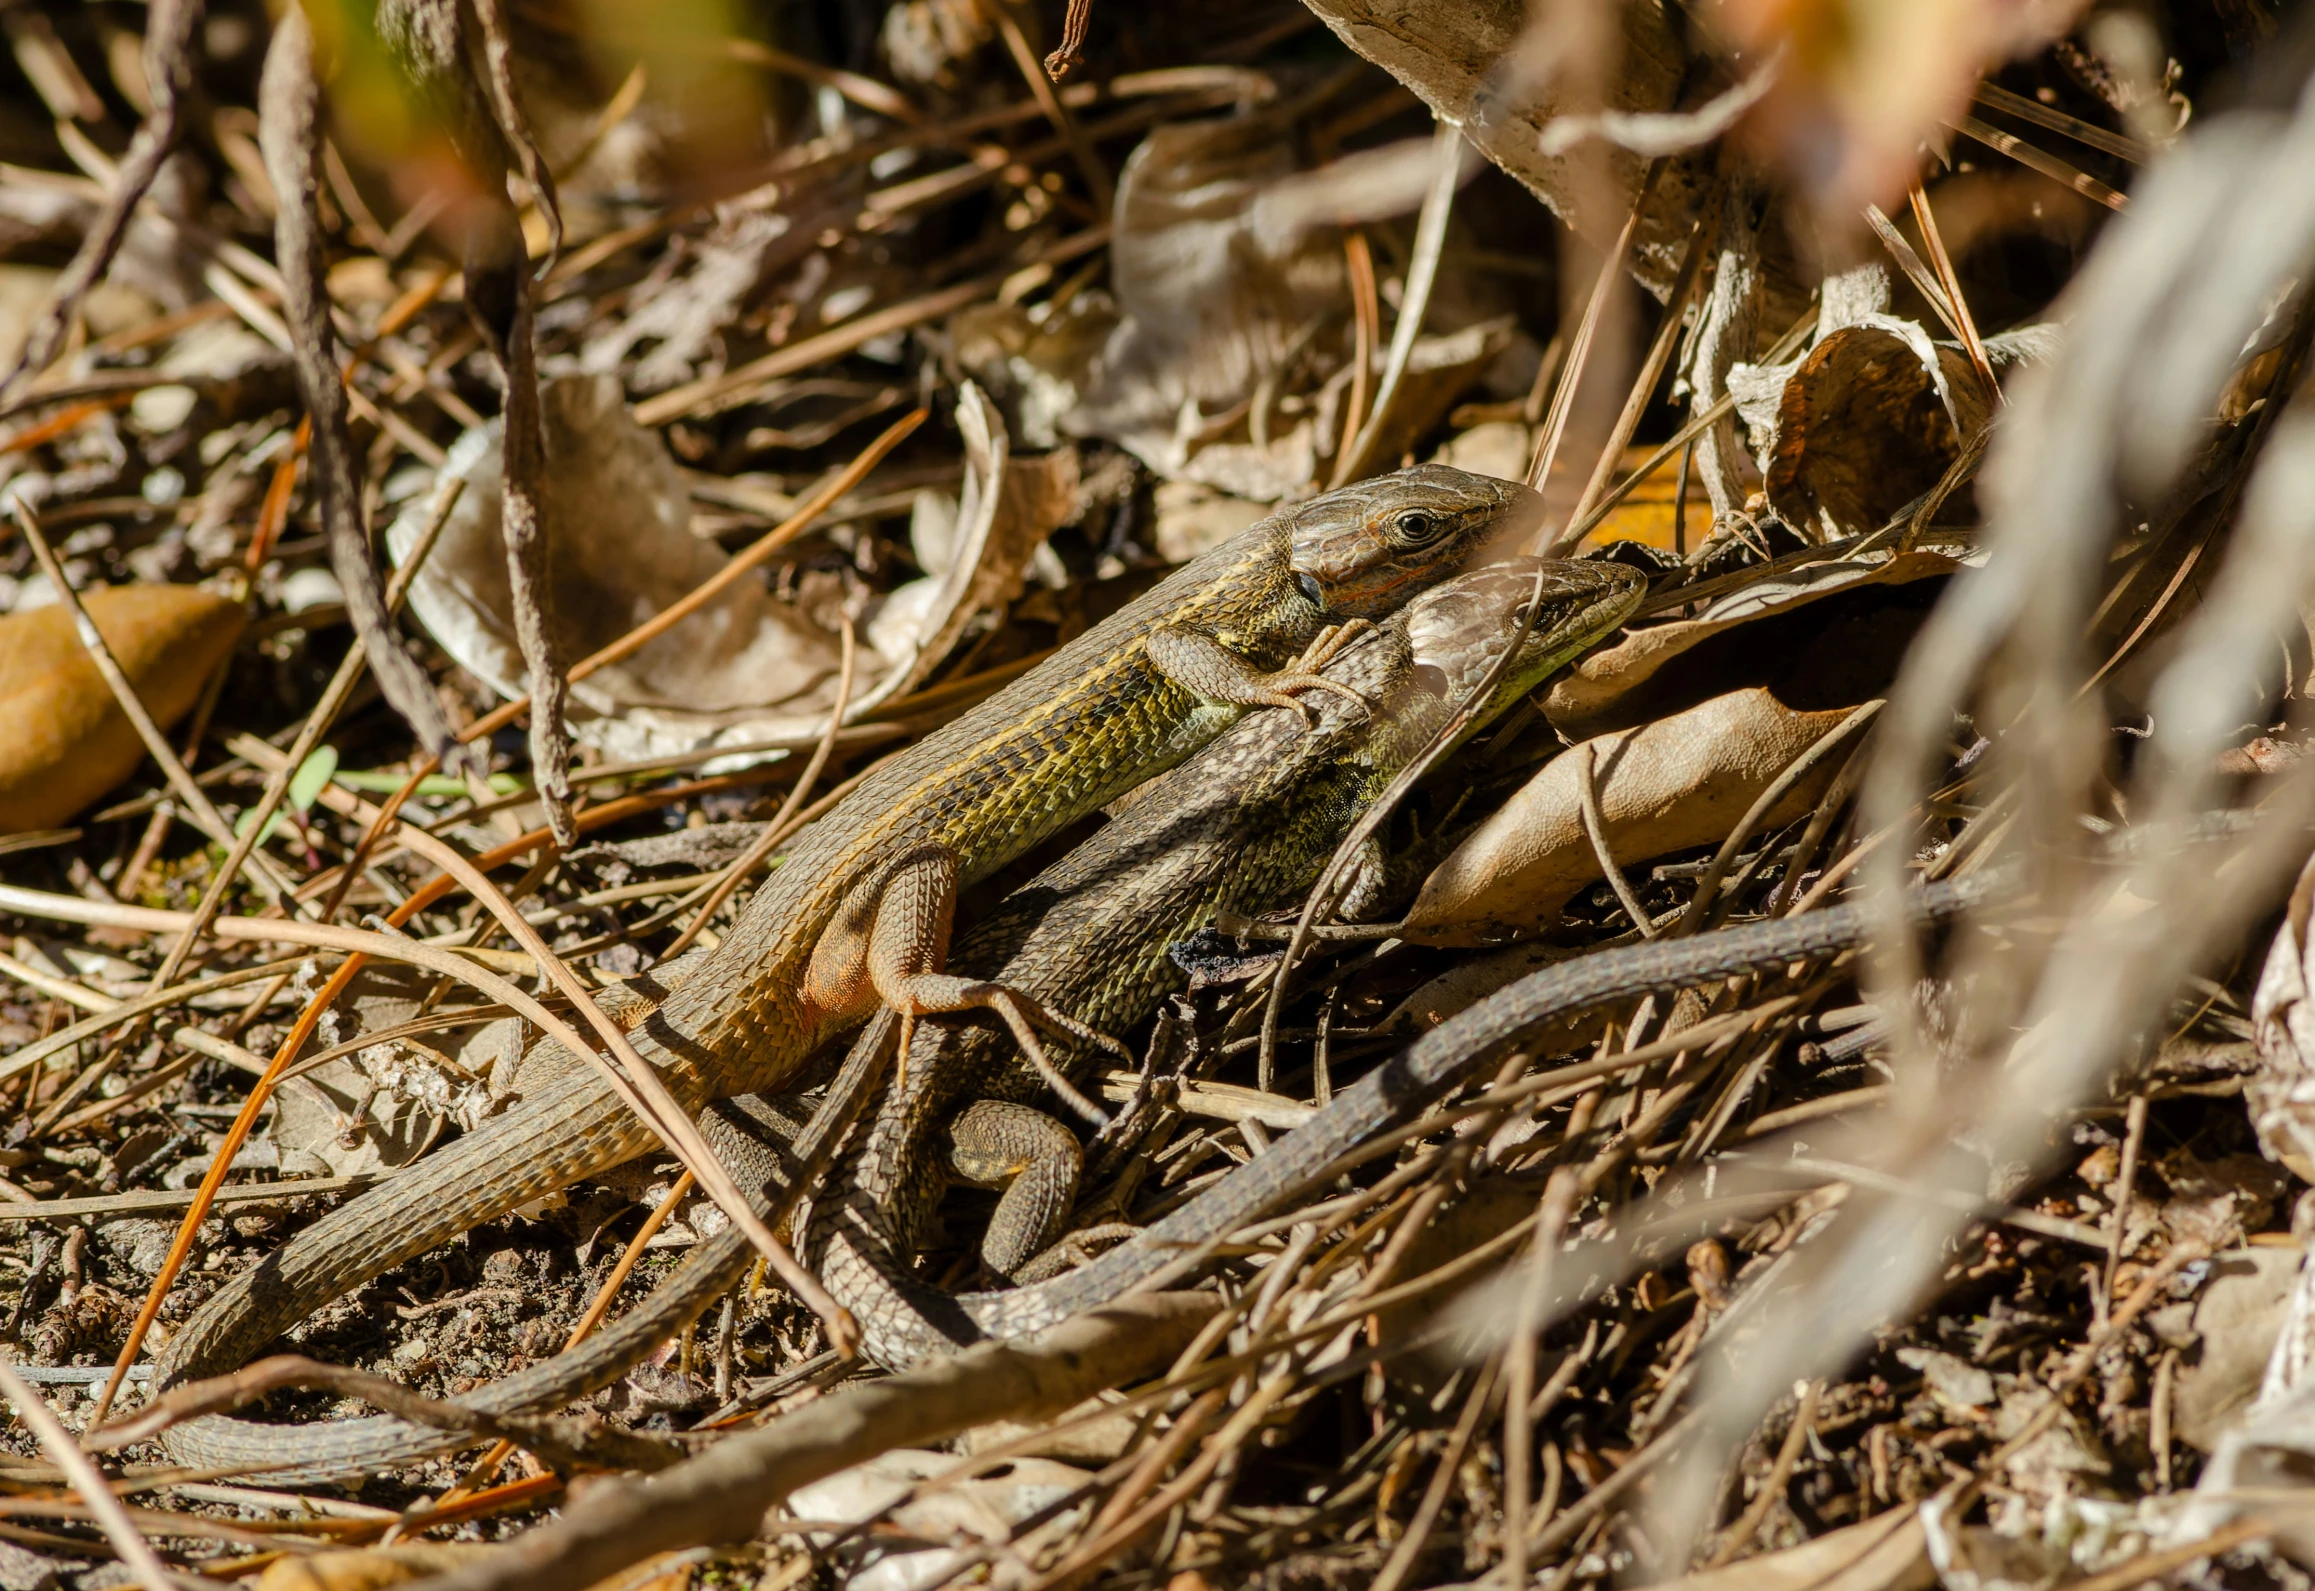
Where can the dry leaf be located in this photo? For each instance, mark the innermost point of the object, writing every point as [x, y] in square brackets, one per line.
[64, 741]
[1872, 418]
[976, 554]
[1464, 62]
[1886, 1553]
[2236, 1320]
[2281, 1093]
[368, 1568]
[618, 522]
[1639, 678]
[983, 1509]
[1666, 786]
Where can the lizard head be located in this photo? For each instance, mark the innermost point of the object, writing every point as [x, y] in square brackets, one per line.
[1458, 630]
[1363, 550]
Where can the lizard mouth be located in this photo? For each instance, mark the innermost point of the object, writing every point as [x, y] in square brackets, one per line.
[1311, 589]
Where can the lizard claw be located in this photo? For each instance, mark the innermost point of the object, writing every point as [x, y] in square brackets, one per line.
[1285, 690]
[1019, 1012]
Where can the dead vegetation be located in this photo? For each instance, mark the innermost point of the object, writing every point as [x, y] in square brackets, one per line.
[766, 386]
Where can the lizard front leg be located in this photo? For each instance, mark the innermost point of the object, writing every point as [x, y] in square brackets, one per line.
[1202, 665]
[888, 942]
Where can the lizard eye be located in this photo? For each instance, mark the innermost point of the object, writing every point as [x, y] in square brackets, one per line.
[1415, 528]
[1520, 619]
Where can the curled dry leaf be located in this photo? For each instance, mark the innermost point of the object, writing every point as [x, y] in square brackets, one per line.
[1869, 416]
[2281, 1092]
[1666, 786]
[976, 552]
[1870, 420]
[747, 666]
[1658, 668]
[64, 741]
[984, 1509]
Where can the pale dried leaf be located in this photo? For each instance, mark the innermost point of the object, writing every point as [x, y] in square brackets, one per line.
[983, 1509]
[745, 667]
[1604, 690]
[1667, 786]
[1193, 519]
[1881, 1554]
[2236, 1319]
[977, 565]
[342, 1119]
[2281, 1093]
[64, 740]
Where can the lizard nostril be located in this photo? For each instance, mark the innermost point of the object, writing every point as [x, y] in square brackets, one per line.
[1311, 589]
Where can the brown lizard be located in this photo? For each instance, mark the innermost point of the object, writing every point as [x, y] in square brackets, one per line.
[859, 909]
[1242, 826]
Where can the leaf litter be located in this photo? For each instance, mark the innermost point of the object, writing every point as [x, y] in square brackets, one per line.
[1974, 1262]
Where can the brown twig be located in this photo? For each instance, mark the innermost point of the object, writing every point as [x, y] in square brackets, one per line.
[1366, 325]
[170, 26]
[1926, 219]
[1772, 1484]
[289, 131]
[722, 1494]
[1039, 77]
[1596, 831]
[65, 1453]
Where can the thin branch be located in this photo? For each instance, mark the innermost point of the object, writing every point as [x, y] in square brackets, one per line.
[65, 1453]
[289, 131]
[168, 59]
[1451, 162]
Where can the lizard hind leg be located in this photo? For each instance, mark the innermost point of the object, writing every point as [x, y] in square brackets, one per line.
[894, 945]
[1035, 1160]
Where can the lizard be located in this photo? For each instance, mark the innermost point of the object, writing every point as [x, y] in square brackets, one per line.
[1245, 828]
[860, 906]
[1241, 824]
[1404, 1085]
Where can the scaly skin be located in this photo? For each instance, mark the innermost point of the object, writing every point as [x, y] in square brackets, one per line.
[1244, 827]
[1085, 726]
[1445, 1058]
